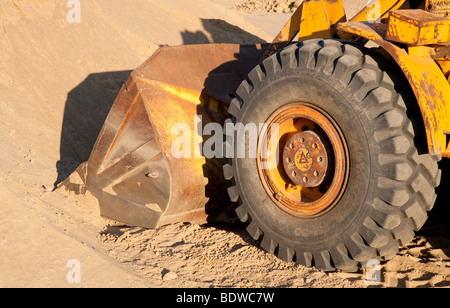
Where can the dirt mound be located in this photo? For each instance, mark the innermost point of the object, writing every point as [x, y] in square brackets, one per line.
[58, 79]
[57, 82]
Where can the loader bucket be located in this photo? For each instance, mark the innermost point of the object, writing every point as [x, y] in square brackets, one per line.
[132, 171]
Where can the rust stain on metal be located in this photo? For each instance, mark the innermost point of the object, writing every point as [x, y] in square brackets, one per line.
[305, 159]
[417, 27]
[427, 80]
[296, 184]
[132, 170]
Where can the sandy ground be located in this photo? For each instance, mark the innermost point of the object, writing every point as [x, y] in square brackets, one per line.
[50, 239]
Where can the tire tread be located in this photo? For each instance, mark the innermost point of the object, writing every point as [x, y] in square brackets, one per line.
[403, 196]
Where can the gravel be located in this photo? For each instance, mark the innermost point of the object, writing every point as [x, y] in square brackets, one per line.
[270, 6]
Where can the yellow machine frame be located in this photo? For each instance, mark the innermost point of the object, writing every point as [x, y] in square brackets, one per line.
[416, 39]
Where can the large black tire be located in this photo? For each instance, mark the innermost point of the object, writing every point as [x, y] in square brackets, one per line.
[391, 179]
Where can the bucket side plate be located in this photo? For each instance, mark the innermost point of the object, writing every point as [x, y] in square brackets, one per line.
[133, 171]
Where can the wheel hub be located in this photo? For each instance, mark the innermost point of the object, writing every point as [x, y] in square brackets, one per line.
[305, 159]
[312, 172]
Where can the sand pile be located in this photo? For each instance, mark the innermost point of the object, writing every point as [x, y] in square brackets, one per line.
[58, 80]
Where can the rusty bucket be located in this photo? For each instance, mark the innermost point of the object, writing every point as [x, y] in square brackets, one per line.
[132, 171]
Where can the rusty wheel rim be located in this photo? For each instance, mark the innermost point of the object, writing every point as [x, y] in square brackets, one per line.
[312, 166]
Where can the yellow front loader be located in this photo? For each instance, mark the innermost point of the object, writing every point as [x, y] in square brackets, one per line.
[325, 142]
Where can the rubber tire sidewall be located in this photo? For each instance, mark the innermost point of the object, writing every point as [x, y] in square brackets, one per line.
[323, 232]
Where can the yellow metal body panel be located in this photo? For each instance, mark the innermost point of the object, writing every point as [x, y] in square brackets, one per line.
[417, 27]
[312, 19]
[319, 18]
[378, 9]
[431, 87]
[445, 66]
[429, 78]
